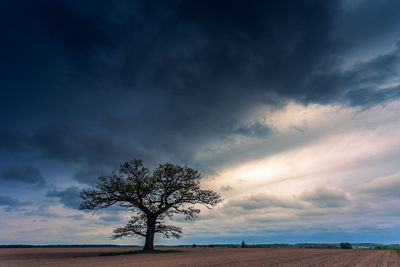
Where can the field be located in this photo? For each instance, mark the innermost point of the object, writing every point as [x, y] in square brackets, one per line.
[198, 257]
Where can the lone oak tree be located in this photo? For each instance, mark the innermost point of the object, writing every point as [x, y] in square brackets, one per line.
[152, 196]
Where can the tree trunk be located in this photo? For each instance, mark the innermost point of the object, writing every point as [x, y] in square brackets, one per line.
[151, 230]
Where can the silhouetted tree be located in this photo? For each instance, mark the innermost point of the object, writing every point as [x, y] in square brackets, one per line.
[152, 196]
[243, 245]
[345, 245]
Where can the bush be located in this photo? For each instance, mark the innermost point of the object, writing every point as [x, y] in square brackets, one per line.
[345, 245]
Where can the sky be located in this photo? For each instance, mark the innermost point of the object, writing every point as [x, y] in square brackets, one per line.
[290, 109]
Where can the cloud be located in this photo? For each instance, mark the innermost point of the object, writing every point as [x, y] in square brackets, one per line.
[325, 197]
[77, 217]
[41, 211]
[90, 174]
[22, 174]
[365, 36]
[110, 219]
[161, 83]
[360, 85]
[384, 187]
[69, 197]
[308, 201]
[253, 129]
[10, 203]
[262, 201]
[226, 188]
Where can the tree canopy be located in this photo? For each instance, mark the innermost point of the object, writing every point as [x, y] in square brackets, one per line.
[152, 196]
[345, 245]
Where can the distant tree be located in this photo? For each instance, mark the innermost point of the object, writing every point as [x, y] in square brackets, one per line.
[345, 245]
[194, 246]
[243, 245]
[151, 196]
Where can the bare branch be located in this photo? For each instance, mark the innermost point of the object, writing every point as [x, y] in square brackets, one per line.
[169, 231]
[136, 226]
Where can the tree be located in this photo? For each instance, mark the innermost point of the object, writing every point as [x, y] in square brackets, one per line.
[243, 245]
[151, 196]
[345, 245]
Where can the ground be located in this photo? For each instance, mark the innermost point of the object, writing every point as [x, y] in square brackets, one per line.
[198, 257]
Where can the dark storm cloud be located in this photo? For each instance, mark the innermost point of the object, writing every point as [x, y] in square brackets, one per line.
[254, 129]
[75, 143]
[360, 85]
[69, 197]
[21, 174]
[365, 21]
[90, 174]
[95, 83]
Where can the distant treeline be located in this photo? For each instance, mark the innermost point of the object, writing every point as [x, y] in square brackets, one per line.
[299, 245]
[305, 245]
[61, 246]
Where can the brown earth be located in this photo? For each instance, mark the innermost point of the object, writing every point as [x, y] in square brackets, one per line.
[198, 257]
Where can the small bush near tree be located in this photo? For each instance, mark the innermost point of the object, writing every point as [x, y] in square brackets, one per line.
[345, 245]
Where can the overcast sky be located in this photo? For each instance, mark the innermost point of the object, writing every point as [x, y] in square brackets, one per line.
[290, 109]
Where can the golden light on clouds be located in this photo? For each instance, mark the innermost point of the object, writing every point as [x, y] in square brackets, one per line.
[345, 156]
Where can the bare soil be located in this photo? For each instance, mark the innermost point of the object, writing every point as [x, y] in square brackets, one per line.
[198, 257]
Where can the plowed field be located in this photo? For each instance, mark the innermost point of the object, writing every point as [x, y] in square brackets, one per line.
[198, 257]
